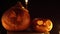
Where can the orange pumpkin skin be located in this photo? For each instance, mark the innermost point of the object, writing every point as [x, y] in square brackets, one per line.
[42, 25]
[16, 18]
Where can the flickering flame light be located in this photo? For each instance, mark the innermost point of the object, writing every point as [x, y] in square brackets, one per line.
[50, 24]
[42, 25]
[39, 22]
[26, 1]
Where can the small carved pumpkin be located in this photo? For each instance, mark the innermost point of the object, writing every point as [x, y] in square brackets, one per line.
[42, 25]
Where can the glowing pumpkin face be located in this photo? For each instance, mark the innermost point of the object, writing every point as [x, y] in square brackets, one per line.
[42, 25]
[16, 18]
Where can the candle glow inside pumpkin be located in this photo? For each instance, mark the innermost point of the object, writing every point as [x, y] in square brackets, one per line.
[42, 25]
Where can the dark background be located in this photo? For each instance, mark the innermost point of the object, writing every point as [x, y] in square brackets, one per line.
[37, 9]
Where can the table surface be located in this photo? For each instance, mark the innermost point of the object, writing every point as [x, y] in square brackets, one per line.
[9, 32]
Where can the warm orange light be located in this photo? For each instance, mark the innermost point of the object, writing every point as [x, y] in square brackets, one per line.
[42, 25]
[49, 24]
[39, 22]
[16, 18]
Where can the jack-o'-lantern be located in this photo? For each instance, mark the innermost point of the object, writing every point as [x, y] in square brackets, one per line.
[16, 18]
[42, 25]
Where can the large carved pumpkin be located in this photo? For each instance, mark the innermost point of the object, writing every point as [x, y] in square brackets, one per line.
[42, 25]
[16, 18]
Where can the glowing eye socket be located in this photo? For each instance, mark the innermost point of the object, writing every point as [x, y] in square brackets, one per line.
[48, 22]
[39, 22]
